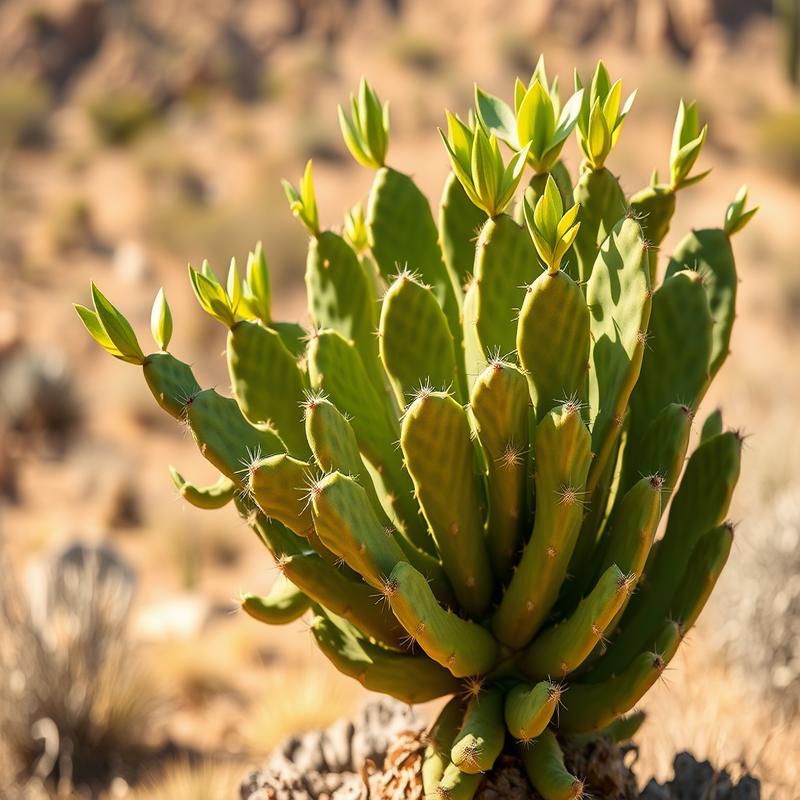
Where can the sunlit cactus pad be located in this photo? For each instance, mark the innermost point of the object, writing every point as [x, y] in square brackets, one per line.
[461, 469]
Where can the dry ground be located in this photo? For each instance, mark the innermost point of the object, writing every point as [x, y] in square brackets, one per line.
[231, 689]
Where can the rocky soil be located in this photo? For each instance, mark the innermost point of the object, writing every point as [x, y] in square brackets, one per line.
[378, 756]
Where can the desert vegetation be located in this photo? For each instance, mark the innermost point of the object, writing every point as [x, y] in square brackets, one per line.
[197, 176]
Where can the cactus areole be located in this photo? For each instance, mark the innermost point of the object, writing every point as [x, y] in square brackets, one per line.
[466, 503]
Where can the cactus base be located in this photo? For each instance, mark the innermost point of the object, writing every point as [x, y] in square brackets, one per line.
[378, 756]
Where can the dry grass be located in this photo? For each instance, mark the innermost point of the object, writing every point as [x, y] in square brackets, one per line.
[191, 187]
[299, 698]
[73, 705]
[196, 671]
[184, 780]
[700, 706]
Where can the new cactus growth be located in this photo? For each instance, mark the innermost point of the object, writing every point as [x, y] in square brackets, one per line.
[467, 502]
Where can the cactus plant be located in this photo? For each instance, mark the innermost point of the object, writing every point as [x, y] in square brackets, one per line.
[467, 501]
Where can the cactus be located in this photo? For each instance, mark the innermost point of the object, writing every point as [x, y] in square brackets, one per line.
[467, 501]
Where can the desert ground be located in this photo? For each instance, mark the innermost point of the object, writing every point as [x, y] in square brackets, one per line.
[164, 143]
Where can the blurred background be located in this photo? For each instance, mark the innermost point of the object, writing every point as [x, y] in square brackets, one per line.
[139, 135]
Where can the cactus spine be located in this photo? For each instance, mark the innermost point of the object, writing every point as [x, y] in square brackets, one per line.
[493, 465]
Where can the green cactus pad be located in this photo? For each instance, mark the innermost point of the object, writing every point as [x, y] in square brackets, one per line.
[275, 536]
[280, 485]
[544, 764]
[378, 669]
[670, 373]
[603, 205]
[700, 504]
[457, 785]
[592, 706]
[215, 495]
[267, 383]
[632, 527]
[346, 596]
[500, 405]
[581, 566]
[480, 740]
[416, 344]
[341, 297]
[622, 729]
[440, 740]
[709, 253]
[712, 425]
[654, 207]
[294, 337]
[225, 437]
[529, 709]
[505, 263]
[171, 382]
[403, 235]
[562, 454]
[463, 647]
[563, 180]
[709, 556]
[460, 223]
[284, 604]
[475, 359]
[561, 649]
[618, 297]
[347, 524]
[660, 451]
[334, 444]
[554, 311]
[335, 367]
[439, 456]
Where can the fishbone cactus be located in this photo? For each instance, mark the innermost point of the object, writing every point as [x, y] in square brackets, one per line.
[466, 501]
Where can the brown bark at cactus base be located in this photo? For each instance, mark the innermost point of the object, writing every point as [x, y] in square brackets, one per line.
[601, 763]
[378, 756]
